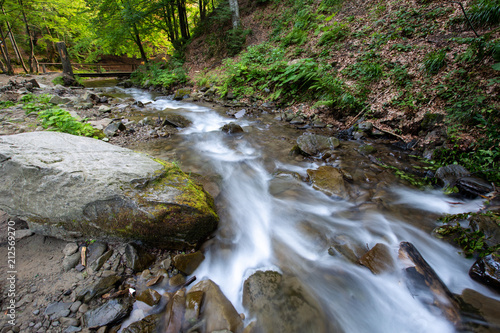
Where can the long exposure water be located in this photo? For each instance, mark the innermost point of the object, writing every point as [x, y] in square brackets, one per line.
[272, 220]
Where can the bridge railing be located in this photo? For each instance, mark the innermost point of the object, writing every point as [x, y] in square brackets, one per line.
[98, 68]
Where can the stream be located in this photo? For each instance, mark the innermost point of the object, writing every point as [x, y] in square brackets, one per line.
[271, 219]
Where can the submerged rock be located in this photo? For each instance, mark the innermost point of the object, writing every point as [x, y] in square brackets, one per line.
[232, 128]
[176, 120]
[379, 259]
[81, 187]
[282, 304]
[312, 144]
[149, 324]
[449, 174]
[187, 263]
[328, 180]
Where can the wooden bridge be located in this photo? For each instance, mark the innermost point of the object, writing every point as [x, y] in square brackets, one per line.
[95, 70]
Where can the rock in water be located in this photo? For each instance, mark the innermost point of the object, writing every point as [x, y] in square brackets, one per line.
[282, 304]
[108, 313]
[487, 271]
[68, 186]
[312, 144]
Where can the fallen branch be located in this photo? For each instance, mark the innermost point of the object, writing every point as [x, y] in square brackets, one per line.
[389, 132]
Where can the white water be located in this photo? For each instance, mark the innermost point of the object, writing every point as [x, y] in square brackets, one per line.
[280, 223]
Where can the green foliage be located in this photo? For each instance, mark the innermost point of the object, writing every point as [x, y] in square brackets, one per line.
[337, 33]
[56, 119]
[335, 94]
[331, 5]
[6, 104]
[236, 40]
[434, 61]
[485, 13]
[296, 37]
[160, 74]
[471, 241]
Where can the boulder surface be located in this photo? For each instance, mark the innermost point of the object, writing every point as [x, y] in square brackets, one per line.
[76, 187]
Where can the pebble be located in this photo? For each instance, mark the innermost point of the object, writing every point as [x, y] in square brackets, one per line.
[75, 306]
[83, 308]
[66, 321]
[37, 325]
[55, 323]
[36, 312]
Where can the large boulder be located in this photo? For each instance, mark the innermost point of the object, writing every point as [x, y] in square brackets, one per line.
[69, 186]
[312, 144]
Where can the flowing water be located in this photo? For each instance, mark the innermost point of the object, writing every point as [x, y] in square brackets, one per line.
[272, 220]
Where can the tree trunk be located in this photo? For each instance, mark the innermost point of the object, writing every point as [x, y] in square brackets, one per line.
[203, 9]
[235, 11]
[66, 63]
[5, 55]
[33, 63]
[137, 39]
[181, 10]
[14, 44]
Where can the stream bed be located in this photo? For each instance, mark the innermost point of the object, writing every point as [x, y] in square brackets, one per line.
[273, 219]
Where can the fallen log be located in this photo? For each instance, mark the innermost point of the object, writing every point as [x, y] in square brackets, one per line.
[425, 284]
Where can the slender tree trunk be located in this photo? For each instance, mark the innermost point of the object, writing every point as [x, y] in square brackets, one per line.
[203, 9]
[137, 39]
[176, 25]
[14, 44]
[235, 11]
[32, 59]
[181, 9]
[168, 21]
[5, 55]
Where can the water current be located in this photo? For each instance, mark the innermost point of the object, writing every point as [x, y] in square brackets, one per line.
[272, 220]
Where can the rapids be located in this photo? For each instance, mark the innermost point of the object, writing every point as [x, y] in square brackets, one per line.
[272, 220]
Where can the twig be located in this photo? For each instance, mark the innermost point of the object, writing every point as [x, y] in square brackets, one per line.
[466, 17]
[389, 132]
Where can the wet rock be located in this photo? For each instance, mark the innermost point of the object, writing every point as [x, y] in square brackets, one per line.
[180, 94]
[177, 280]
[473, 186]
[155, 280]
[488, 225]
[137, 257]
[240, 114]
[318, 124]
[71, 261]
[97, 288]
[112, 129]
[232, 128]
[345, 246]
[488, 308]
[328, 180]
[194, 300]
[312, 144]
[217, 310]
[176, 120]
[82, 187]
[187, 263]
[90, 97]
[149, 324]
[379, 259]
[298, 120]
[487, 271]
[109, 313]
[174, 313]
[448, 175]
[70, 248]
[282, 305]
[367, 149]
[149, 296]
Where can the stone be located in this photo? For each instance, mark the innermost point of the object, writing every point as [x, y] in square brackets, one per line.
[176, 120]
[378, 259]
[328, 180]
[104, 109]
[23, 233]
[155, 280]
[166, 263]
[70, 249]
[194, 300]
[56, 307]
[367, 149]
[95, 250]
[180, 94]
[83, 308]
[137, 258]
[282, 305]
[177, 280]
[72, 329]
[97, 264]
[108, 313]
[232, 128]
[346, 247]
[75, 306]
[149, 296]
[187, 263]
[365, 126]
[113, 129]
[174, 313]
[473, 186]
[312, 144]
[486, 307]
[79, 187]
[97, 288]
[149, 324]
[486, 270]
[240, 114]
[217, 310]
[449, 174]
[71, 261]
[101, 123]
[59, 100]
[66, 321]
[90, 97]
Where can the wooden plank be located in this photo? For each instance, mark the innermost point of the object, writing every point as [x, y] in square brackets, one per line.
[108, 74]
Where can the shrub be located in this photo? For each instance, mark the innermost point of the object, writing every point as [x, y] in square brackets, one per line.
[485, 13]
[434, 61]
[338, 32]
